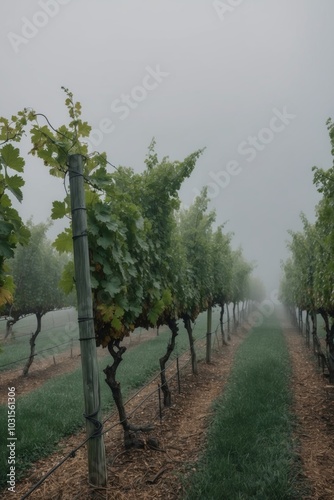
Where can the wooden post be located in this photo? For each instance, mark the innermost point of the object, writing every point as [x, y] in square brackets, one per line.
[209, 334]
[97, 471]
[307, 326]
[228, 322]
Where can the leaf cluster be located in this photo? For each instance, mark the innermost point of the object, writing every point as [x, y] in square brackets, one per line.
[12, 229]
[308, 274]
[150, 261]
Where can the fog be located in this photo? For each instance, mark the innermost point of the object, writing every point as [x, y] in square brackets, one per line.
[249, 80]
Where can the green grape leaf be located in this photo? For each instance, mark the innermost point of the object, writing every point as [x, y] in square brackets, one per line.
[112, 286]
[14, 183]
[94, 282]
[116, 323]
[102, 215]
[5, 229]
[5, 249]
[59, 210]
[67, 280]
[5, 201]
[91, 197]
[119, 311]
[11, 157]
[63, 242]
[104, 241]
[84, 129]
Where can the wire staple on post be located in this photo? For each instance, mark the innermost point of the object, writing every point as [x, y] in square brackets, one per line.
[81, 235]
[97, 424]
[82, 319]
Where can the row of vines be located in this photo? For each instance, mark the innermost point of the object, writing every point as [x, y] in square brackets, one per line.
[307, 286]
[152, 263]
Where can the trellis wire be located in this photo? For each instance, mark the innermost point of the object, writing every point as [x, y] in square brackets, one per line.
[74, 450]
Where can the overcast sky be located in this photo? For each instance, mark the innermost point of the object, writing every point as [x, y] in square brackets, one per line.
[250, 80]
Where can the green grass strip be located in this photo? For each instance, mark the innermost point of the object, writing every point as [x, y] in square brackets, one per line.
[55, 410]
[249, 452]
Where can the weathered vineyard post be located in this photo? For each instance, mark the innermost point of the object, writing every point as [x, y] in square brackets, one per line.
[314, 328]
[96, 451]
[221, 319]
[209, 334]
[228, 322]
[234, 317]
[308, 330]
[189, 328]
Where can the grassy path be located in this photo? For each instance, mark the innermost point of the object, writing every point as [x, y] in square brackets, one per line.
[249, 451]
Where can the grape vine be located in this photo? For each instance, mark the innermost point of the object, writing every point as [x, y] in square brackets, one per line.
[151, 262]
[308, 274]
[12, 229]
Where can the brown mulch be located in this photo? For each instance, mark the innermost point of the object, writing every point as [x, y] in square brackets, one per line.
[314, 409]
[170, 451]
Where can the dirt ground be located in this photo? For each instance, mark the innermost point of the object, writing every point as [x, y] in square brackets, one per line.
[314, 410]
[172, 448]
